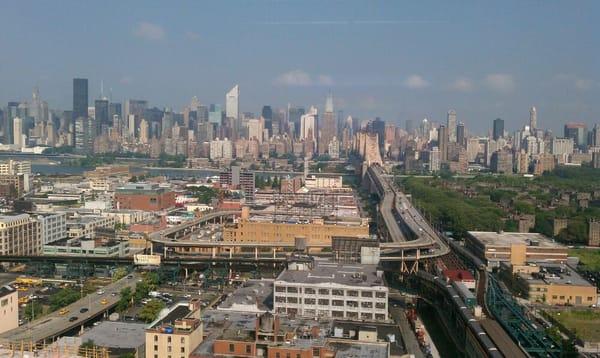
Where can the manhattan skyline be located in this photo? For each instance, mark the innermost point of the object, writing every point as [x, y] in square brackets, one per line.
[396, 61]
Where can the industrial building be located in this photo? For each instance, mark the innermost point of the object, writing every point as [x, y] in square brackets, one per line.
[322, 288]
[144, 196]
[514, 247]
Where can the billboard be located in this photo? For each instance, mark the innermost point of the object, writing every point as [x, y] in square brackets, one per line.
[146, 260]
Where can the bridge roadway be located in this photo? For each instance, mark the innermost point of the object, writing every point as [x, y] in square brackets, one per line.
[54, 324]
[187, 227]
[397, 212]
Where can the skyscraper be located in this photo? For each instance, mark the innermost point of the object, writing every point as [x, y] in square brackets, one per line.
[102, 119]
[578, 132]
[532, 119]
[232, 110]
[451, 125]
[498, 128]
[267, 114]
[443, 143]
[309, 125]
[9, 116]
[80, 98]
[328, 126]
[18, 132]
[460, 134]
[294, 115]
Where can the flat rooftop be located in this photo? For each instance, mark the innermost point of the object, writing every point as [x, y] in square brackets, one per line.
[507, 238]
[326, 271]
[178, 312]
[111, 334]
[551, 273]
[252, 292]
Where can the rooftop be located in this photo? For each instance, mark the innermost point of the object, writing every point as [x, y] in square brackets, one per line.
[13, 218]
[110, 334]
[252, 296]
[327, 272]
[509, 238]
[555, 274]
[6, 290]
[178, 312]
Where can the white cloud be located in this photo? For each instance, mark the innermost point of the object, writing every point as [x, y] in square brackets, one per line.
[500, 82]
[302, 78]
[579, 83]
[126, 80]
[193, 36]
[462, 84]
[149, 31]
[416, 82]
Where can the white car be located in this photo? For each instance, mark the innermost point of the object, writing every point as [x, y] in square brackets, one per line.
[100, 292]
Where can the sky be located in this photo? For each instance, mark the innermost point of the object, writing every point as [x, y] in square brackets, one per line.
[398, 60]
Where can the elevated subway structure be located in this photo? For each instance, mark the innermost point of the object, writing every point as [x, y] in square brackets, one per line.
[406, 236]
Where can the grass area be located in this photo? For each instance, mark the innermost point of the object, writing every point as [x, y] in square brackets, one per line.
[590, 258]
[584, 323]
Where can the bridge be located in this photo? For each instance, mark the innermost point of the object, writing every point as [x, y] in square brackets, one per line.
[55, 324]
[407, 237]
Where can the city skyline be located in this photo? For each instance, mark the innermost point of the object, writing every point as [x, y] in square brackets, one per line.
[381, 60]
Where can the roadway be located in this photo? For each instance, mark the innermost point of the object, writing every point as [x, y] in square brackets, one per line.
[398, 212]
[55, 324]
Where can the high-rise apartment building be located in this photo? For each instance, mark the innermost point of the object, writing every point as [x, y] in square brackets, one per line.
[461, 134]
[434, 160]
[18, 132]
[451, 125]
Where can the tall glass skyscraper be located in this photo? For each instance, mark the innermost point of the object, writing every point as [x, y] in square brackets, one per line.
[80, 98]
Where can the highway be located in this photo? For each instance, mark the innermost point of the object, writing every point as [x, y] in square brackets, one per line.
[55, 324]
[188, 226]
[407, 228]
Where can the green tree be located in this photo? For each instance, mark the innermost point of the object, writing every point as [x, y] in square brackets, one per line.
[124, 300]
[151, 310]
[141, 291]
[127, 355]
[33, 310]
[63, 298]
[119, 273]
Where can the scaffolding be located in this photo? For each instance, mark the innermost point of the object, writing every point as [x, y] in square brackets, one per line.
[41, 350]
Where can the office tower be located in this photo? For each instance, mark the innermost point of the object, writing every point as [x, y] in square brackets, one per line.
[215, 115]
[168, 121]
[501, 162]
[9, 116]
[451, 125]
[84, 135]
[377, 126]
[308, 127]
[102, 118]
[137, 109]
[443, 143]
[576, 131]
[328, 126]
[144, 131]
[460, 134]
[115, 108]
[18, 132]
[596, 136]
[409, 126]
[232, 110]
[532, 119]
[202, 114]
[80, 98]
[294, 116]
[267, 114]
[498, 129]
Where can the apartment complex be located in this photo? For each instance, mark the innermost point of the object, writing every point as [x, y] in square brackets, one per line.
[53, 226]
[20, 235]
[236, 178]
[144, 196]
[322, 288]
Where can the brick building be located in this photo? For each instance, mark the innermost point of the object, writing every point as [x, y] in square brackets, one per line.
[144, 196]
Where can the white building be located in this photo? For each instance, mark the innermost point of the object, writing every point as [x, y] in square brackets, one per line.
[12, 167]
[322, 288]
[309, 125]
[562, 146]
[85, 226]
[232, 101]
[221, 149]
[18, 132]
[434, 160]
[323, 182]
[53, 226]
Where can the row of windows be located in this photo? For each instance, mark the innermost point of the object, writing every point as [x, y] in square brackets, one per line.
[326, 302]
[325, 291]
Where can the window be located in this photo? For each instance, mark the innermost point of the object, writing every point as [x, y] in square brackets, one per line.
[323, 302]
[248, 348]
[169, 349]
[277, 355]
[316, 352]
[155, 347]
[231, 347]
[353, 293]
[323, 291]
[366, 294]
[310, 301]
[182, 349]
[309, 291]
[169, 339]
[337, 302]
[182, 340]
[155, 338]
[337, 292]
[380, 294]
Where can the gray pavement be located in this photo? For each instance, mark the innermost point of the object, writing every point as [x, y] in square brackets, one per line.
[55, 324]
[410, 341]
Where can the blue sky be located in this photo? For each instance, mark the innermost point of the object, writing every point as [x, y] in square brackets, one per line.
[394, 59]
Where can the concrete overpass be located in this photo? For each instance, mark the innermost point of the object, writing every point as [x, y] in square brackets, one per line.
[54, 325]
[407, 237]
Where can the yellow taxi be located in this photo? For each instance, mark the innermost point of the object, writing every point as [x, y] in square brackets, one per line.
[104, 301]
[63, 311]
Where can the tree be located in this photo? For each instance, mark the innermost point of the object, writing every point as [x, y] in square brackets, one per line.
[125, 300]
[141, 291]
[127, 355]
[119, 273]
[151, 310]
[63, 298]
[33, 310]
